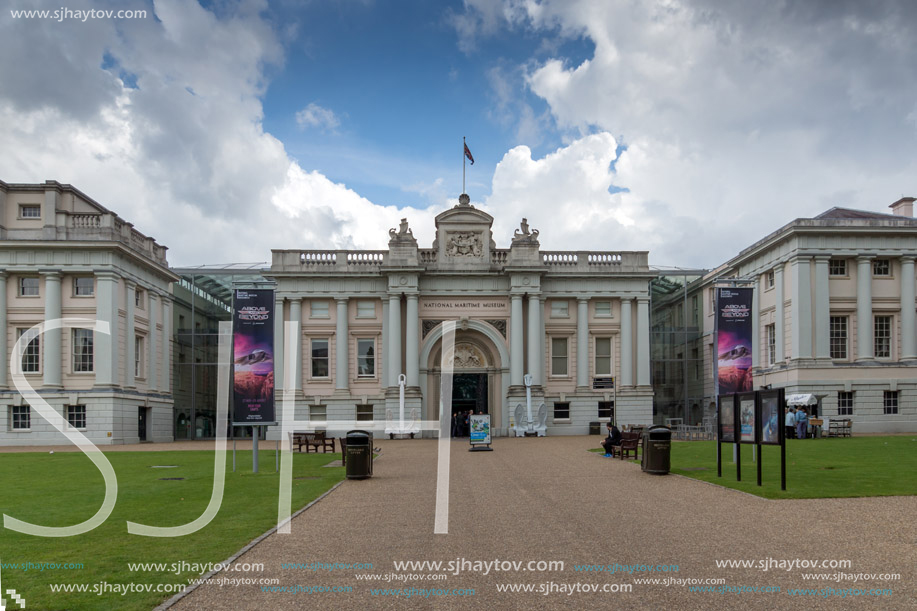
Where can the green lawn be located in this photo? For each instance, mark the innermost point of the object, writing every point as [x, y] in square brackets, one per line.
[66, 488]
[815, 468]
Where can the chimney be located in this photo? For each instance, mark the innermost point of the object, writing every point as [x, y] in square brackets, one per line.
[903, 207]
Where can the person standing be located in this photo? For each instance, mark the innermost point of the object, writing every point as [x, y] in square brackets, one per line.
[802, 423]
[790, 423]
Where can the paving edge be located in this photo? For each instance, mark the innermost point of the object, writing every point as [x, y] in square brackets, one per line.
[201, 580]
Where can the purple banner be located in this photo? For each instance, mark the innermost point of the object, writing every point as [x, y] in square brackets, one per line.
[734, 340]
[253, 356]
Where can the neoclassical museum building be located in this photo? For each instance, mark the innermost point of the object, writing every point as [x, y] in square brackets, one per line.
[576, 321]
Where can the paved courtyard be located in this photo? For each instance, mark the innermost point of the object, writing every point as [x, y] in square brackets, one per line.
[551, 500]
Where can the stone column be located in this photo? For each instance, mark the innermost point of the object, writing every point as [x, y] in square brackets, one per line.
[279, 343]
[341, 372]
[822, 309]
[802, 308]
[296, 317]
[151, 343]
[543, 341]
[105, 347]
[51, 340]
[394, 337]
[582, 343]
[517, 356]
[166, 378]
[384, 368]
[4, 355]
[643, 341]
[130, 336]
[627, 343]
[535, 364]
[412, 344]
[779, 316]
[864, 309]
[908, 298]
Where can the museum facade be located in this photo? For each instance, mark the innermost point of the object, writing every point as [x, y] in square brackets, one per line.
[576, 321]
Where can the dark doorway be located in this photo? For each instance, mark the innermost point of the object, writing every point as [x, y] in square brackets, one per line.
[142, 423]
[469, 392]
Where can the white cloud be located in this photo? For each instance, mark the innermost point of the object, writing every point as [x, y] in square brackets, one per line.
[314, 115]
[737, 117]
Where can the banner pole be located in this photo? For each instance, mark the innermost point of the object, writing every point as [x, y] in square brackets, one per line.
[254, 449]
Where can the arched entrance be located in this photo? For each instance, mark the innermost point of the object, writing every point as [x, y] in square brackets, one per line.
[480, 372]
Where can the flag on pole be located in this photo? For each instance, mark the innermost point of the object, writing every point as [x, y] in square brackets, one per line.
[468, 155]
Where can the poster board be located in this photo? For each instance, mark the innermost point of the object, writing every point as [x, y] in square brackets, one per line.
[253, 357]
[747, 417]
[771, 418]
[480, 429]
[726, 419]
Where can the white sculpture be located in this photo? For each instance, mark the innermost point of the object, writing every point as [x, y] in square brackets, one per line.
[401, 427]
[524, 423]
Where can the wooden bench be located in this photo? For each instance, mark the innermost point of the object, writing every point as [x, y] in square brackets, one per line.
[312, 442]
[630, 442]
[840, 428]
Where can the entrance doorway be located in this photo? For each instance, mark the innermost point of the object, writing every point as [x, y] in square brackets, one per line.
[469, 392]
[141, 423]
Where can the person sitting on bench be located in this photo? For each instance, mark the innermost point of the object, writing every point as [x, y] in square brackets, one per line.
[613, 439]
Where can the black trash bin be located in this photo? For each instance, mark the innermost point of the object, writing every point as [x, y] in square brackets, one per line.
[657, 450]
[595, 428]
[359, 455]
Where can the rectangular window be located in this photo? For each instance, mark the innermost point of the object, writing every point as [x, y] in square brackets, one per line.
[364, 413]
[558, 356]
[603, 309]
[837, 267]
[20, 417]
[139, 299]
[138, 357]
[561, 411]
[30, 211]
[695, 358]
[84, 286]
[76, 416]
[602, 356]
[694, 311]
[838, 340]
[366, 309]
[319, 309]
[31, 358]
[320, 364]
[769, 279]
[890, 401]
[560, 309]
[607, 410]
[844, 403]
[82, 350]
[881, 267]
[883, 336]
[318, 412]
[770, 339]
[366, 358]
[28, 287]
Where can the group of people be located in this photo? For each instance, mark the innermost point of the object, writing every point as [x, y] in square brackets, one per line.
[461, 423]
[796, 423]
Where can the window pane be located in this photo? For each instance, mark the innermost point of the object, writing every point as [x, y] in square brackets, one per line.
[318, 412]
[364, 412]
[31, 358]
[30, 212]
[366, 366]
[21, 417]
[603, 356]
[561, 411]
[559, 356]
[82, 350]
[83, 286]
[76, 416]
[559, 309]
[319, 309]
[883, 336]
[28, 287]
[366, 309]
[837, 267]
[881, 267]
[603, 308]
[319, 358]
[838, 337]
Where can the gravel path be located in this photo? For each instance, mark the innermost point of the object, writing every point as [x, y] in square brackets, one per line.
[549, 499]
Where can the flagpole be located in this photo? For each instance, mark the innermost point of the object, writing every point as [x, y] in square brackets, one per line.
[463, 163]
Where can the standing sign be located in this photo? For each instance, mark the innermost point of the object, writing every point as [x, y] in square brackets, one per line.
[253, 357]
[734, 340]
[747, 418]
[480, 431]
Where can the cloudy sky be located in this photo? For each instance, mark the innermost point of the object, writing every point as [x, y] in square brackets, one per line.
[687, 128]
